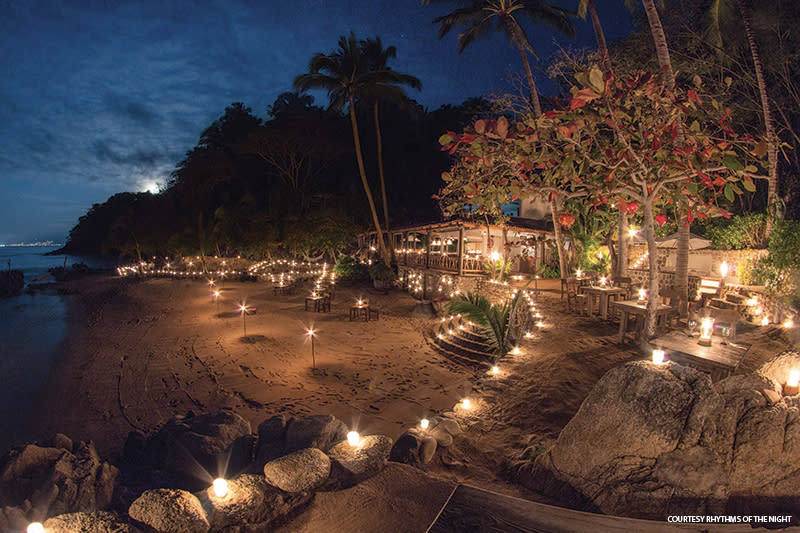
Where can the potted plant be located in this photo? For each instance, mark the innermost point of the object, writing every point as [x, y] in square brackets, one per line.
[382, 276]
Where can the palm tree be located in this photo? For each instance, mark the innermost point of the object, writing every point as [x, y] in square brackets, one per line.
[480, 16]
[377, 57]
[682, 252]
[585, 6]
[719, 11]
[347, 75]
[494, 321]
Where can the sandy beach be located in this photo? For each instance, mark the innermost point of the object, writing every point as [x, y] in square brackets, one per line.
[140, 352]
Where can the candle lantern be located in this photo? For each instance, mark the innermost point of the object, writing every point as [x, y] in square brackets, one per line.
[706, 329]
[220, 487]
[792, 386]
[424, 423]
[658, 357]
[642, 295]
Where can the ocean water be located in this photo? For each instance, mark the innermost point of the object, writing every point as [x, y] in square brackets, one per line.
[32, 326]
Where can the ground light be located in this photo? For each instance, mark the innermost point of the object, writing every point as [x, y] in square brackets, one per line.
[220, 487]
[310, 333]
[792, 384]
[658, 357]
[353, 438]
[424, 423]
[466, 404]
[35, 527]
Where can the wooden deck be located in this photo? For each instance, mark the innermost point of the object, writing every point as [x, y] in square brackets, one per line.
[474, 510]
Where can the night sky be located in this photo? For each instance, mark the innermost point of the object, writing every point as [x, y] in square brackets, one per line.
[103, 97]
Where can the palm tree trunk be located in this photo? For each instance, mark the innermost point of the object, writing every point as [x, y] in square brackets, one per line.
[772, 148]
[562, 262]
[598, 33]
[660, 40]
[537, 106]
[380, 173]
[363, 173]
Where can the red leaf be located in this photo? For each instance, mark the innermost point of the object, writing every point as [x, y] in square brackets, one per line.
[724, 213]
[632, 208]
[661, 219]
[692, 94]
[566, 220]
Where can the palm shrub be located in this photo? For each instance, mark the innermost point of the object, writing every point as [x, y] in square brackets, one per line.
[494, 321]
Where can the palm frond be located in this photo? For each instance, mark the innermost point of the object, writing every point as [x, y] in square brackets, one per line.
[474, 32]
[466, 16]
[555, 17]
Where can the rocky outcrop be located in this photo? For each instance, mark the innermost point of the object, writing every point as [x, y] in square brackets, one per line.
[299, 471]
[97, 522]
[316, 431]
[170, 511]
[353, 464]
[173, 453]
[250, 505]
[418, 446]
[43, 480]
[11, 282]
[655, 440]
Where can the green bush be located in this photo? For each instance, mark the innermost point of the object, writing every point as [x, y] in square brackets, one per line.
[548, 272]
[347, 268]
[780, 272]
[379, 271]
[736, 233]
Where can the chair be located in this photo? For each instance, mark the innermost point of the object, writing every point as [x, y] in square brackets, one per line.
[573, 298]
[624, 283]
[672, 298]
[726, 321]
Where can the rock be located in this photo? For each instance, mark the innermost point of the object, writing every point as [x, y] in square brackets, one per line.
[11, 282]
[778, 369]
[445, 424]
[353, 464]
[651, 441]
[443, 438]
[407, 449]
[61, 441]
[170, 511]
[97, 522]
[300, 471]
[427, 450]
[316, 431]
[250, 505]
[213, 440]
[57, 480]
[15, 518]
[271, 440]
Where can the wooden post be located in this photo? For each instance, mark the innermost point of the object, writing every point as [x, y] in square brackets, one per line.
[428, 249]
[461, 250]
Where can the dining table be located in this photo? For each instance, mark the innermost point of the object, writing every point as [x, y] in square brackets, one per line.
[603, 294]
[638, 310]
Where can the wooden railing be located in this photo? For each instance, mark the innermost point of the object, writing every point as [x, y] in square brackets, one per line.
[448, 263]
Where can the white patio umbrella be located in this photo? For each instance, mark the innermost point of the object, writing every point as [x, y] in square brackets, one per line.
[695, 242]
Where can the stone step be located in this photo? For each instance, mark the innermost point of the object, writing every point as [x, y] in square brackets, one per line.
[460, 338]
[475, 355]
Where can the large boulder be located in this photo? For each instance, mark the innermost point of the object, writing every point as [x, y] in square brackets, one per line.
[315, 431]
[353, 464]
[300, 471]
[250, 505]
[271, 440]
[414, 447]
[221, 443]
[654, 440]
[56, 479]
[97, 522]
[170, 511]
